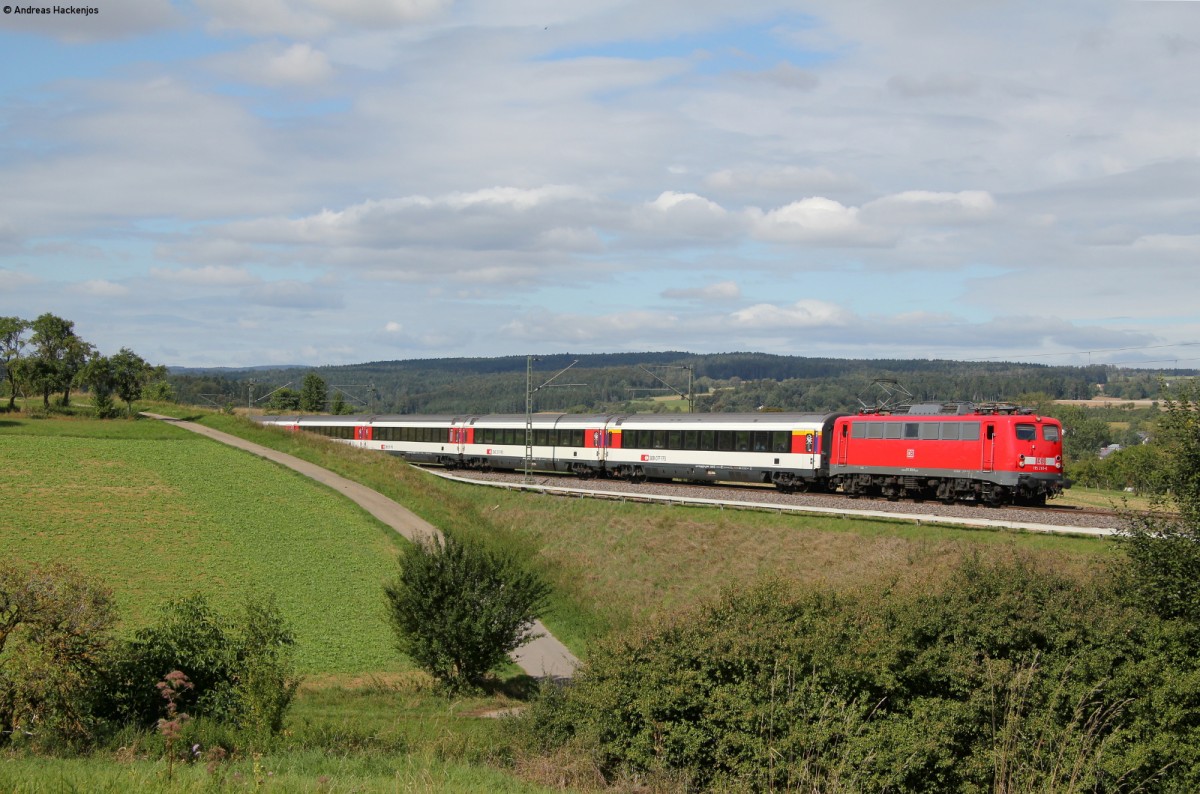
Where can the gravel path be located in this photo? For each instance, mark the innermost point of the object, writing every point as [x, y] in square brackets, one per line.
[542, 657]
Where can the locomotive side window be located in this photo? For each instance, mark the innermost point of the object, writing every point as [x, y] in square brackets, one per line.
[912, 429]
[1026, 432]
[970, 431]
[892, 430]
[951, 431]
[858, 430]
[929, 431]
[874, 429]
[1050, 432]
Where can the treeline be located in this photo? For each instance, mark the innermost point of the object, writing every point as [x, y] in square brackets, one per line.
[628, 382]
[45, 358]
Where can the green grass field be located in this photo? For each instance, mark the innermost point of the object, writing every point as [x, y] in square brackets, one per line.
[158, 512]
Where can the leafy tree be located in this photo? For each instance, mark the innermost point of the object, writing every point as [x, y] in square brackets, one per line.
[131, 373]
[1164, 550]
[55, 630]
[160, 391]
[12, 342]
[100, 379]
[284, 399]
[58, 356]
[312, 394]
[1084, 433]
[458, 610]
[339, 406]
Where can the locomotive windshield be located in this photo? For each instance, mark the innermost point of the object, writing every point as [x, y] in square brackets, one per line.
[1050, 432]
[1026, 432]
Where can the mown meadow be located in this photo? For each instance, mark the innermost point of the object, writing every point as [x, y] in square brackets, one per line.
[157, 512]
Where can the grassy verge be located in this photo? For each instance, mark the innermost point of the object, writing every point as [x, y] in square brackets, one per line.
[613, 564]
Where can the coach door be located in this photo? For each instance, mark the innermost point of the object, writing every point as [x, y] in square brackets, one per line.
[989, 446]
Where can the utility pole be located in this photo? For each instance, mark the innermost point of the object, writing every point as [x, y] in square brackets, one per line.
[529, 392]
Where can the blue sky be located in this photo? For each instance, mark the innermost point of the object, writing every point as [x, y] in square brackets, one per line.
[309, 181]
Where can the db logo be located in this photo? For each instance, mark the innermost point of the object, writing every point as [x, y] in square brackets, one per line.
[645, 458]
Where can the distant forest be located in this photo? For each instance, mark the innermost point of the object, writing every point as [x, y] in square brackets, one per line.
[725, 382]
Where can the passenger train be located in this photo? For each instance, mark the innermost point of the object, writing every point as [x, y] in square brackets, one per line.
[992, 454]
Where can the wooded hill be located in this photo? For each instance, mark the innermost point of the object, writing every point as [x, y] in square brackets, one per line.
[631, 381]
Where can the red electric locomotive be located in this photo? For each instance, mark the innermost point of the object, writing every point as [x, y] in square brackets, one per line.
[991, 454]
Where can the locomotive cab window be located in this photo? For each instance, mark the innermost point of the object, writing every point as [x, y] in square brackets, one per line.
[1026, 432]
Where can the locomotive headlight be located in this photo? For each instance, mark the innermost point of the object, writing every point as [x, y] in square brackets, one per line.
[1021, 461]
[1058, 461]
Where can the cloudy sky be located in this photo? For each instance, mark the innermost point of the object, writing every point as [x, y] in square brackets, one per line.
[221, 182]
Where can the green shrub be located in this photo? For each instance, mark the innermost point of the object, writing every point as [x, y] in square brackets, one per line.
[242, 675]
[458, 610]
[55, 628]
[1009, 676]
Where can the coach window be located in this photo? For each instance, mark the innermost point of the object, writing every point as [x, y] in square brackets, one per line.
[725, 440]
[741, 441]
[929, 431]
[781, 441]
[674, 439]
[951, 431]
[912, 429]
[658, 439]
[1026, 432]
[708, 440]
[1050, 432]
[691, 439]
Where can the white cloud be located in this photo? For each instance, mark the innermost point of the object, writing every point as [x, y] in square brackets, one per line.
[14, 280]
[802, 314]
[100, 288]
[929, 207]
[720, 291]
[276, 65]
[316, 17]
[393, 327]
[207, 276]
[819, 221]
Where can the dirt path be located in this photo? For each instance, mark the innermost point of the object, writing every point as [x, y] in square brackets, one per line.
[544, 657]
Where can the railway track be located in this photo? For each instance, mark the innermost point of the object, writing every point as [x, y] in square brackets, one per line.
[1052, 518]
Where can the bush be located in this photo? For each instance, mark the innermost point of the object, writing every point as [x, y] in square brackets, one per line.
[1010, 678]
[242, 675]
[55, 628]
[458, 610]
